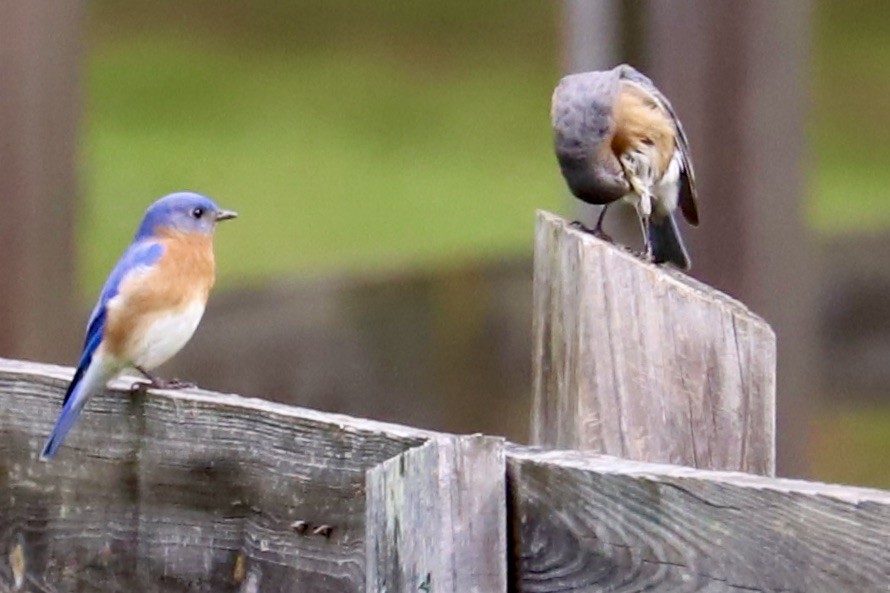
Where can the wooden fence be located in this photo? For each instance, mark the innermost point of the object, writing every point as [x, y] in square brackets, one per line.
[200, 491]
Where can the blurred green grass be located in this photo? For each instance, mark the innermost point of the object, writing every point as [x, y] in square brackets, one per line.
[355, 136]
[850, 124]
[849, 445]
[369, 148]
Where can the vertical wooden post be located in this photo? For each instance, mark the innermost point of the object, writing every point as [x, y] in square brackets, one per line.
[737, 74]
[436, 519]
[39, 57]
[645, 363]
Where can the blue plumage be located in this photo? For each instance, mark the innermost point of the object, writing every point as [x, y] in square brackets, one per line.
[178, 211]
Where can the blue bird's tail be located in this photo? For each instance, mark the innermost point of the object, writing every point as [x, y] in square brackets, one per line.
[70, 413]
[667, 244]
[88, 379]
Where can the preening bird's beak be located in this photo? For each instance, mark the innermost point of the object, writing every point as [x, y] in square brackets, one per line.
[225, 215]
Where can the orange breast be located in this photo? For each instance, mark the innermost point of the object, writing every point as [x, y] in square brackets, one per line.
[185, 273]
[640, 120]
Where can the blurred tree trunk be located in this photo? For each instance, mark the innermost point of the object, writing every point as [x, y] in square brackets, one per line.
[40, 50]
[738, 75]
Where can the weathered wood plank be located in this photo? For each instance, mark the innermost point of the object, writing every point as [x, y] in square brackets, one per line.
[597, 523]
[192, 491]
[185, 491]
[436, 519]
[644, 362]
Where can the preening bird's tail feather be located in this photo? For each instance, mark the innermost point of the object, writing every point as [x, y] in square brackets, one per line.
[667, 244]
[86, 382]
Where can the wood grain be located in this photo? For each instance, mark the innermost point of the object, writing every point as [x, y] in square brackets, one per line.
[643, 362]
[597, 523]
[437, 515]
[184, 491]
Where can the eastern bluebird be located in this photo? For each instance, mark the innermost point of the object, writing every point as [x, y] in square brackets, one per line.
[616, 136]
[151, 303]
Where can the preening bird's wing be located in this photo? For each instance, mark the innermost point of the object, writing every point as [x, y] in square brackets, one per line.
[688, 195]
[136, 258]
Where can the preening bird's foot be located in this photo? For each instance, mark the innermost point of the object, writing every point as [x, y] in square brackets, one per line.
[596, 231]
[601, 234]
[641, 255]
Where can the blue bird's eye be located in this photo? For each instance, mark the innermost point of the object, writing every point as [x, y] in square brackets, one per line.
[198, 212]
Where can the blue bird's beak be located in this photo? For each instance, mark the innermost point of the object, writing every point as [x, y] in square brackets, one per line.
[225, 215]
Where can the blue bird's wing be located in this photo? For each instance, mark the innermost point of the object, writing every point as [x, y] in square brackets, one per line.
[87, 377]
[138, 255]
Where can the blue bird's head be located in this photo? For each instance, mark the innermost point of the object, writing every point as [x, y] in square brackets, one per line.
[185, 212]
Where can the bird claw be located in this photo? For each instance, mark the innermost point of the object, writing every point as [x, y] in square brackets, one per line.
[600, 234]
[175, 383]
[596, 231]
[141, 387]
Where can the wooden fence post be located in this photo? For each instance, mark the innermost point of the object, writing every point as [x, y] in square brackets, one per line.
[644, 362]
[436, 519]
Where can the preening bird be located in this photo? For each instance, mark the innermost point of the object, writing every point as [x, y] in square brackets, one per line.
[151, 303]
[617, 136]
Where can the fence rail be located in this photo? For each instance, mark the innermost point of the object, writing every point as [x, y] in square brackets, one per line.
[201, 491]
[597, 523]
[196, 491]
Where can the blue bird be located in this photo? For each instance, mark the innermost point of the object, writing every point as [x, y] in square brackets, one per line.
[151, 303]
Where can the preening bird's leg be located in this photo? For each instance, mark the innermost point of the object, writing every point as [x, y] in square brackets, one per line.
[598, 227]
[597, 230]
[647, 244]
[159, 383]
[643, 205]
[644, 210]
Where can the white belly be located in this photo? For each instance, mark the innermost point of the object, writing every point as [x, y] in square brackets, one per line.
[165, 335]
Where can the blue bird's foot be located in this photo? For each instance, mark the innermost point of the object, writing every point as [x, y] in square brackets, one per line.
[159, 383]
[175, 383]
[139, 387]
